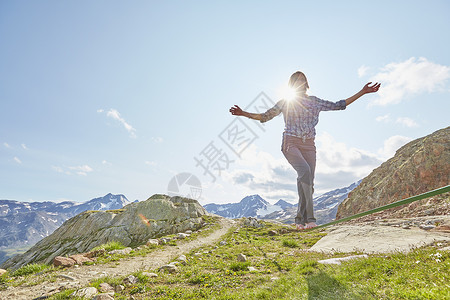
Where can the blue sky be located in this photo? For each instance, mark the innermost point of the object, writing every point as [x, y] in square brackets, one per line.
[114, 96]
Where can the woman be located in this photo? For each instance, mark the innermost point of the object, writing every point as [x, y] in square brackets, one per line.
[301, 115]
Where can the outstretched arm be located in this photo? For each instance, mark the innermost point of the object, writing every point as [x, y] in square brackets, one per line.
[365, 90]
[237, 111]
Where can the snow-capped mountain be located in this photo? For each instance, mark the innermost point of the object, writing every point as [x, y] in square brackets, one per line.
[325, 206]
[250, 206]
[24, 224]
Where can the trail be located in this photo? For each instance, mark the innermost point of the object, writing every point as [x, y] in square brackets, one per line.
[81, 276]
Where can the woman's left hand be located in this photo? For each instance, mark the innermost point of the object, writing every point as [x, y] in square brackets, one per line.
[371, 89]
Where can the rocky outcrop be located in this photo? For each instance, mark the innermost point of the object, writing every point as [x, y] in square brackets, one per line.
[133, 225]
[417, 167]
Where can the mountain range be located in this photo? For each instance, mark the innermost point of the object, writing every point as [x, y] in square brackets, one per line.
[325, 207]
[22, 224]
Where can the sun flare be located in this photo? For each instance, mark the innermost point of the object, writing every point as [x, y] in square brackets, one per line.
[289, 93]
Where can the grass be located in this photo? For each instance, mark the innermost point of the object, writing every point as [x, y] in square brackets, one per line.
[110, 246]
[30, 269]
[285, 270]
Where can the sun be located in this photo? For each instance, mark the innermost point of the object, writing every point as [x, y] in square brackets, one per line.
[288, 93]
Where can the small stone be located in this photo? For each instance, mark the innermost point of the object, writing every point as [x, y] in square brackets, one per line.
[88, 292]
[169, 268]
[105, 288]
[152, 242]
[130, 280]
[188, 231]
[119, 288]
[2, 271]
[197, 254]
[338, 260]
[426, 227]
[150, 275]
[66, 277]
[182, 236]
[241, 257]
[165, 240]
[273, 232]
[63, 261]
[252, 269]
[222, 243]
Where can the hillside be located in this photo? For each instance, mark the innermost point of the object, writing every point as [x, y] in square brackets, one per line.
[417, 167]
[22, 224]
[89, 229]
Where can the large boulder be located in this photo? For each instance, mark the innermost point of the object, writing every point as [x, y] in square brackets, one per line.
[419, 166]
[133, 225]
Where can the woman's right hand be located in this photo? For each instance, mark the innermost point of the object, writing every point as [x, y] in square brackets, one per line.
[236, 110]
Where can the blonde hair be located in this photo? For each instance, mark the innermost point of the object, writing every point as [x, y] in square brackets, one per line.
[296, 78]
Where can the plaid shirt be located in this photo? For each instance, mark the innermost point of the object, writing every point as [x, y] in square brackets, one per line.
[301, 115]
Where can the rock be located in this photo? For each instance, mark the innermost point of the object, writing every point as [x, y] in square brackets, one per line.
[2, 272]
[182, 259]
[222, 243]
[338, 260]
[150, 275]
[89, 229]
[252, 222]
[66, 277]
[119, 288]
[273, 232]
[169, 268]
[165, 240]
[406, 227]
[88, 292]
[182, 235]
[121, 251]
[80, 259]
[130, 280]
[426, 227]
[252, 269]
[62, 261]
[105, 288]
[103, 297]
[188, 232]
[241, 257]
[417, 167]
[152, 242]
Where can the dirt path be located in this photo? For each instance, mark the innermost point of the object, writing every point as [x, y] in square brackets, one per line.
[80, 277]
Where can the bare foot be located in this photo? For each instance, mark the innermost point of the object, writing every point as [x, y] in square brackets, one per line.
[310, 225]
[300, 226]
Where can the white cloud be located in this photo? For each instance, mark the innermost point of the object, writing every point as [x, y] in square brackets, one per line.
[157, 139]
[409, 78]
[391, 145]
[150, 163]
[7, 145]
[362, 71]
[24, 147]
[80, 170]
[338, 165]
[384, 119]
[17, 160]
[106, 163]
[407, 122]
[114, 114]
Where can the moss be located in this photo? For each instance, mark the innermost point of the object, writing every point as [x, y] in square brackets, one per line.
[116, 211]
